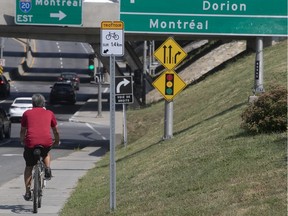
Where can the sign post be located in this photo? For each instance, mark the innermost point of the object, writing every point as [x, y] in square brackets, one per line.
[124, 95]
[43, 12]
[111, 41]
[169, 84]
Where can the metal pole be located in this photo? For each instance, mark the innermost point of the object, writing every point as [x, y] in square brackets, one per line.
[258, 83]
[168, 121]
[99, 99]
[124, 125]
[1, 47]
[144, 73]
[112, 135]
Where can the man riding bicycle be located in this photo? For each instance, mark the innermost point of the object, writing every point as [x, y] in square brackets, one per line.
[35, 130]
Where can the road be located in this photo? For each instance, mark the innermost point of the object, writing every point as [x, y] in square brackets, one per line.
[51, 58]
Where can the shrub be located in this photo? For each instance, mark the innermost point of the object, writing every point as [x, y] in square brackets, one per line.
[268, 113]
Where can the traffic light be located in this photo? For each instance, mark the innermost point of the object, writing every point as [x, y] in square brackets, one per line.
[169, 84]
[91, 65]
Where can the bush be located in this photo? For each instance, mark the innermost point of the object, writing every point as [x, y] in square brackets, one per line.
[268, 113]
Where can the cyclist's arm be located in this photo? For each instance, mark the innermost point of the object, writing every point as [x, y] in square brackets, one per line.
[56, 135]
[22, 134]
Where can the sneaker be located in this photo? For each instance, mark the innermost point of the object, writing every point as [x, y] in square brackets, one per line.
[48, 173]
[27, 196]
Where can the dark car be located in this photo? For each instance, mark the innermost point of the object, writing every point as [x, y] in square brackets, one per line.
[5, 124]
[62, 92]
[4, 86]
[70, 77]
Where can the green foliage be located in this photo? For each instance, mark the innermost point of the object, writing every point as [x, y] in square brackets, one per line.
[268, 114]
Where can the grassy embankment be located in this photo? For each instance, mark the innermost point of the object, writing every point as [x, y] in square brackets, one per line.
[210, 167]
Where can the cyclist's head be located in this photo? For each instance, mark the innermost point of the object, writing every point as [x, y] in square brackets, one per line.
[38, 100]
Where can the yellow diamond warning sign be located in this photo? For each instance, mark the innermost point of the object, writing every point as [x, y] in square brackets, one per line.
[170, 54]
[169, 84]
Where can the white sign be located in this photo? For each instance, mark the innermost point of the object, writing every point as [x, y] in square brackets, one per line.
[2, 62]
[112, 38]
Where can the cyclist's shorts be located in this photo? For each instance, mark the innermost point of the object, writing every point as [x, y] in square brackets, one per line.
[29, 157]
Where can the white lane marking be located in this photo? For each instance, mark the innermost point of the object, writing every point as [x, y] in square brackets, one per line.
[93, 129]
[10, 155]
[84, 47]
[106, 89]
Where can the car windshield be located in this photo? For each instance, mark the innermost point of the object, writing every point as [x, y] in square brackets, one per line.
[62, 87]
[23, 101]
[68, 76]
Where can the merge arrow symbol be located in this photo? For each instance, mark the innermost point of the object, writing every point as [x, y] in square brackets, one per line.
[59, 15]
[125, 82]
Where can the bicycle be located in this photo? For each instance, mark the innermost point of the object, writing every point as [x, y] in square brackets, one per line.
[38, 179]
[112, 35]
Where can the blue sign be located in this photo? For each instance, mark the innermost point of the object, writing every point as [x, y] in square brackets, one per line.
[25, 5]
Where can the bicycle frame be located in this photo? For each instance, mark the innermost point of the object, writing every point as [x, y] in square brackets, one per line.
[38, 180]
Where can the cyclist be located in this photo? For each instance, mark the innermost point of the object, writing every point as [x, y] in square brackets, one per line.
[35, 129]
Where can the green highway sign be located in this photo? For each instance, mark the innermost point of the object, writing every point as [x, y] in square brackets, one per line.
[205, 17]
[49, 12]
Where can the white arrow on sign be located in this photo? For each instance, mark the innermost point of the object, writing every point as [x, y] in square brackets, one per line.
[59, 15]
[125, 82]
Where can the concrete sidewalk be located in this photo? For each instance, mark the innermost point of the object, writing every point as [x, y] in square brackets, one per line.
[66, 171]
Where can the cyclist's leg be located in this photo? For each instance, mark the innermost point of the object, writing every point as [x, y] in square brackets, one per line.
[47, 159]
[28, 177]
[30, 162]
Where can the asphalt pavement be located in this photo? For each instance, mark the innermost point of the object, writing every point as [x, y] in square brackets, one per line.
[66, 171]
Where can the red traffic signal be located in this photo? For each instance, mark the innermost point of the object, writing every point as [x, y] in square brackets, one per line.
[169, 84]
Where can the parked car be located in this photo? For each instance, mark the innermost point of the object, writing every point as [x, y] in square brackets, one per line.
[70, 77]
[62, 92]
[18, 107]
[4, 86]
[5, 124]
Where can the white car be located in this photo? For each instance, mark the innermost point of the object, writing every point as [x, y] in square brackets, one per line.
[18, 107]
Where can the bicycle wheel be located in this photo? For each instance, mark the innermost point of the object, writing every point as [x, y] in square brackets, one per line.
[41, 185]
[36, 189]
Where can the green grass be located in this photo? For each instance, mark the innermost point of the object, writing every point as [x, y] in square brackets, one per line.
[210, 166]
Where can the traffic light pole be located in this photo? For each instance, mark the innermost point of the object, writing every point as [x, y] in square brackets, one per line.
[99, 115]
[168, 120]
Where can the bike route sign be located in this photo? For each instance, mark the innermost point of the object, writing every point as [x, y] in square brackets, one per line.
[49, 12]
[205, 17]
[112, 38]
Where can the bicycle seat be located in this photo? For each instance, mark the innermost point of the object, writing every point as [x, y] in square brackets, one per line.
[37, 151]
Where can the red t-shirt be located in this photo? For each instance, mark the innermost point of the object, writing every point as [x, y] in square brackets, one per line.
[38, 122]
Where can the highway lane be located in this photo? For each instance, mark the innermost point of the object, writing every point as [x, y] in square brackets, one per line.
[74, 136]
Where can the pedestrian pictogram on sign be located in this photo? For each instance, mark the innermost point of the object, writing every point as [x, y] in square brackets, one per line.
[169, 84]
[170, 54]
